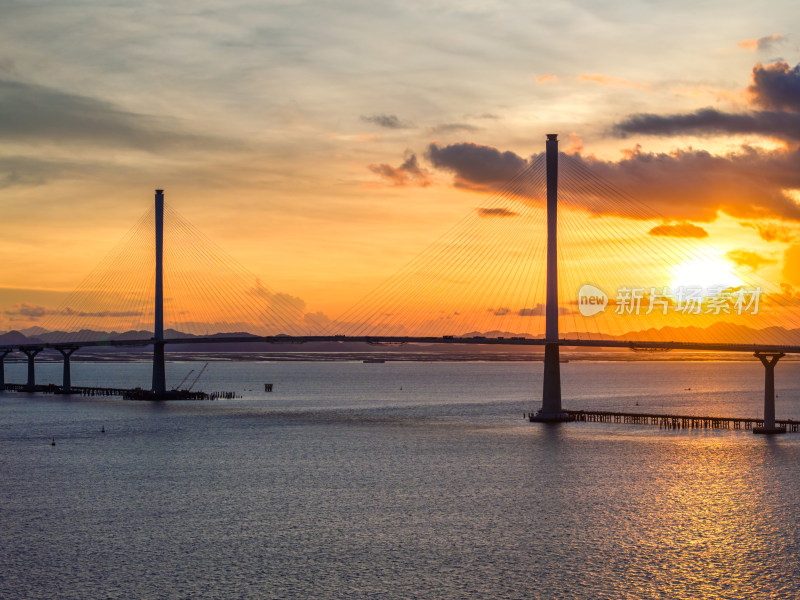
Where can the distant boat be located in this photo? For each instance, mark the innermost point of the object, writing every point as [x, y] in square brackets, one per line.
[374, 360]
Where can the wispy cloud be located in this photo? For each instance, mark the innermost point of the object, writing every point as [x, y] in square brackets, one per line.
[762, 43]
[773, 232]
[608, 80]
[679, 230]
[748, 258]
[27, 171]
[539, 311]
[35, 113]
[453, 127]
[410, 173]
[496, 212]
[791, 264]
[387, 121]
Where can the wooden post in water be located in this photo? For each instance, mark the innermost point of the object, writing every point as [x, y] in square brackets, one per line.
[3, 354]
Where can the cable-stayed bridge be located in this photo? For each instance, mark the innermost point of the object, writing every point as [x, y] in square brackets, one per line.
[557, 257]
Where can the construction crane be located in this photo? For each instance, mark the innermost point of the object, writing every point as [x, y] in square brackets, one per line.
[184, 379]
[205, 366]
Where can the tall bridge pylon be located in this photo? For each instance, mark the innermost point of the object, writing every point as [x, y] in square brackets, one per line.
[159, 369]
[551, 411]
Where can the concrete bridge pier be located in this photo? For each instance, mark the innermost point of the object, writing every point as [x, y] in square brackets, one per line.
[769, 360]
[159, 370]
[66, 386]
[3, 354]
[31, 354]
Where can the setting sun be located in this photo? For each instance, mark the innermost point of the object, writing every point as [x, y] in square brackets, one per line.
[707, 273]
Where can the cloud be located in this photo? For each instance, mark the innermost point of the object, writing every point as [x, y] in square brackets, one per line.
[36, 113]
[762, 43]
[35, 312]
[684, 185]
[453, 127]
[318, 323]
[679, 230]
[772, 232]
[282, 307]
[776, 86]
[791, 264]
[748, 258]
[20, 170]
[500, 312]
[102, 313]
[574, 144]
[694, 185]
[407, 174]
[476, 167]
[607, 80]
[387, 121]
[547, 79]
[27, 310]
[710, 121]
[540, 309]
[496, 212]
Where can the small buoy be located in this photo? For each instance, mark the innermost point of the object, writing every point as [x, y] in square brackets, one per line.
[103, 429]
[53, 443]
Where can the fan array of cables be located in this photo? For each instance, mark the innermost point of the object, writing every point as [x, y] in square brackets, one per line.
[485, 276]
[206, 291]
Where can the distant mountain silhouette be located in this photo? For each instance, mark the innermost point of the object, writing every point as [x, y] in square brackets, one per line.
[14, 337]
[720, 332]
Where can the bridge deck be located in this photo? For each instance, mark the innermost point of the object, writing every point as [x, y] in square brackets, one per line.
[379, 340]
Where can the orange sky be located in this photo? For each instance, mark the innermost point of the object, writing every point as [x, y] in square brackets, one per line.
[324, 149]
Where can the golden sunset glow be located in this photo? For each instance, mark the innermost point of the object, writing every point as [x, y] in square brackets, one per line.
[341, 174]
[706, 274]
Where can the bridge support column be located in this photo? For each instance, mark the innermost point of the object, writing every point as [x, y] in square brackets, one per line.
[66, 386]
[769, 360]
[3, 354]
[159, 370]
[31, 354]
[551, 411]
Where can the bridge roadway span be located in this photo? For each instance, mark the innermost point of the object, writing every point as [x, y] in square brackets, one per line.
[378, 340]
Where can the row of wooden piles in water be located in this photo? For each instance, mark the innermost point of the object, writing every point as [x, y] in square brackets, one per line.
[127, 394]
[676, 421]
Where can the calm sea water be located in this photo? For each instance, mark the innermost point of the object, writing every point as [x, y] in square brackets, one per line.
[398, 480]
